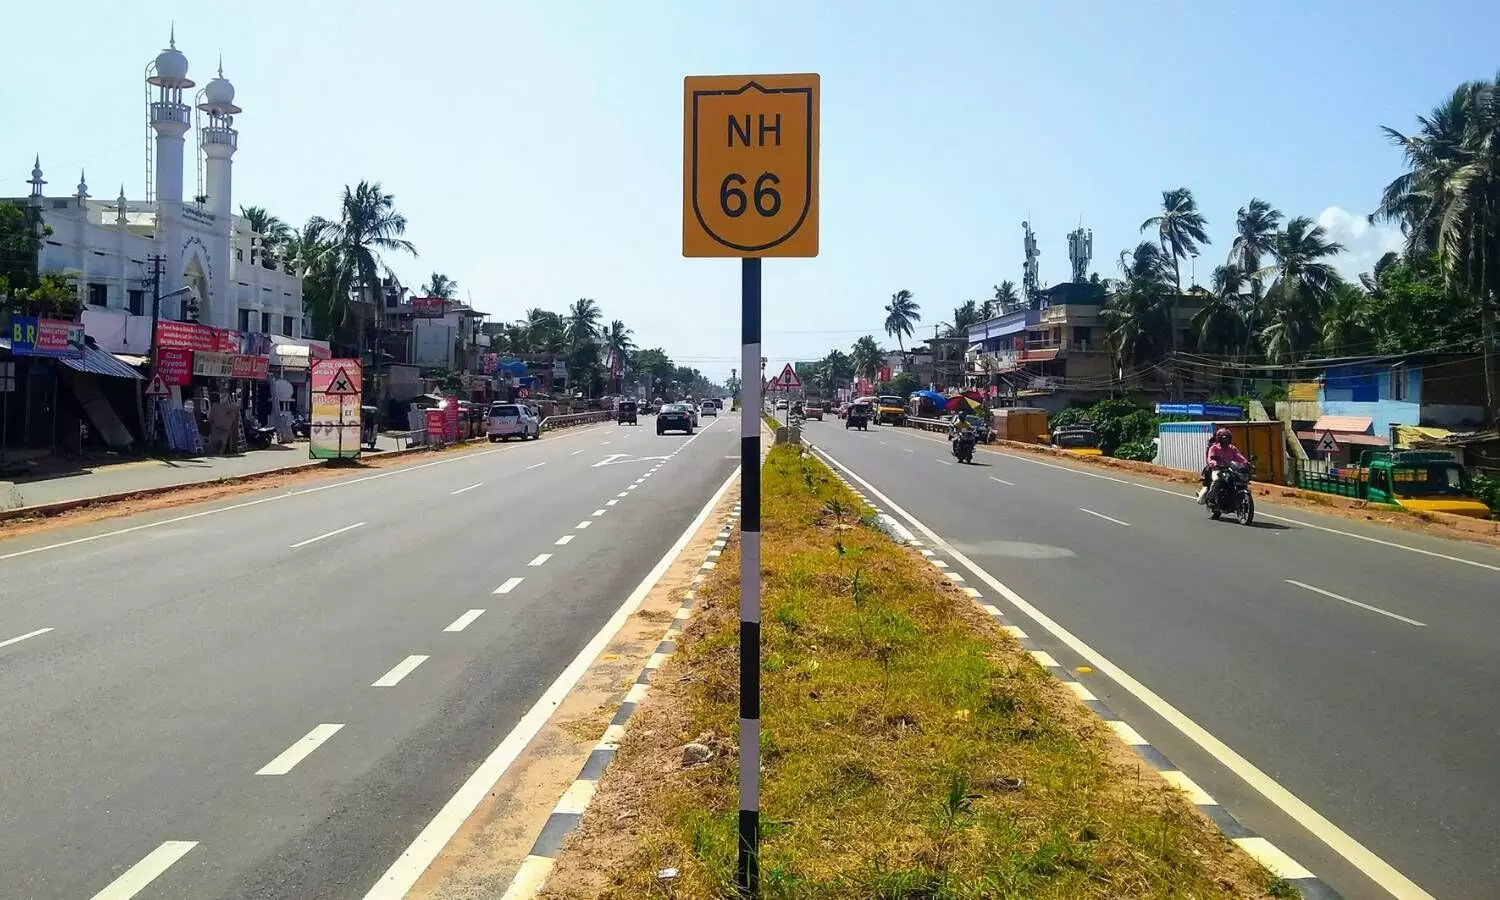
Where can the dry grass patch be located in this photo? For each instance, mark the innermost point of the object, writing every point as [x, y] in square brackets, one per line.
[911, 749]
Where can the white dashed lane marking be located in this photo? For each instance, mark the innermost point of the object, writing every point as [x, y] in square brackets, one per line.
[1104, 517]
[288, 758]
[540, 559]
[20, 638]
[509, 585]
[564, 540]
[469, 488]
[328, 534]
[465, 620]
[1373, 609]
[399, 671]
[135, 878]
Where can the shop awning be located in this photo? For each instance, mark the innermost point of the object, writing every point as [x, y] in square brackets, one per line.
[96, 362]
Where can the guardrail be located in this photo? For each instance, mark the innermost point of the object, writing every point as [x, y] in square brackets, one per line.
[554, 422]
[927, 424]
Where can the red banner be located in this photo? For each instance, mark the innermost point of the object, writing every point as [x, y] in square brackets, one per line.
[174, 365]
[885, 374]
[437, 425]
[255, 368]
[450, 418]
[428, 307]
[226, 341]
[187, 336]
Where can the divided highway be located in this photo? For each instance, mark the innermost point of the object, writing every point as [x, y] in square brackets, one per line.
[271, 696]
[1353, 666]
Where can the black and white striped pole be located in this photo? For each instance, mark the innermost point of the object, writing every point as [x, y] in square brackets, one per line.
[747, 868]
[750, 190]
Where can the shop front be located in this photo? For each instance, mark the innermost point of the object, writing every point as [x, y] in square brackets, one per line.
[290, 359]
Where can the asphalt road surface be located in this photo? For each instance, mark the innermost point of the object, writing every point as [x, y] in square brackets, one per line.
[271, 696]
[1355, 665]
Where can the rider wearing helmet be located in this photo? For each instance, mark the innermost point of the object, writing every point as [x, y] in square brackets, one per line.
[1221, 453]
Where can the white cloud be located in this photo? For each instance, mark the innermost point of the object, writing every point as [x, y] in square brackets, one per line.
[1364, 243]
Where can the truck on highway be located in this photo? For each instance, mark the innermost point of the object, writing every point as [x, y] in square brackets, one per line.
[1421, 480]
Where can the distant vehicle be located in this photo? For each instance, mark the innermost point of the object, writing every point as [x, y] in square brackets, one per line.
[709, 408]
[675, 417]
[781, 404]
[858, 416]
[813, 410]
[508, 420]
[891, 410]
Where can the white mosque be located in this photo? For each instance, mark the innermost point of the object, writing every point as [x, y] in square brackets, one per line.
[211, 269]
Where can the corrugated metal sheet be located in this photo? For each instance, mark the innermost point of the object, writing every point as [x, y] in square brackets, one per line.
[1182, 445]
[1303, 391]
[1349, 424]
[1363, 440]
[96, 362]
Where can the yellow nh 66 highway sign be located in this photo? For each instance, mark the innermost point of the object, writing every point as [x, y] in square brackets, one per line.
[750, 165]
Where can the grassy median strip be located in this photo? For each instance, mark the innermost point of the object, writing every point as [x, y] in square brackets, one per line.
[911, 748]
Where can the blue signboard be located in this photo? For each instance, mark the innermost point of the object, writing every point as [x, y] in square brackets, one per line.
[1201, 410]
[33, 336]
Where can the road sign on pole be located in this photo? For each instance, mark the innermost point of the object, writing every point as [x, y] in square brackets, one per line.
[750, 165]
[750, 190]
[1328, 443]
[341, 385]
[789, 378]
[157, 387]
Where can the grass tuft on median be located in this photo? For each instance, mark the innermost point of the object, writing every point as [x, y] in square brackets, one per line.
[911, 749]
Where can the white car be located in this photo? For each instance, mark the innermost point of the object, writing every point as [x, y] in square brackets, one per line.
[709, 408]
[508, 420]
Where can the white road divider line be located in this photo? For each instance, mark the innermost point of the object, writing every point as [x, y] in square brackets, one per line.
[946, 462]
[564, 540]
[465, 620]
[20, 638]
[584, 524]
[469, 488]
[509, 585]
[399, 671]
[404, 872]
[540, 559]
[330, 534]
[305, 745]
[612, 502]
[536, 465]
[1104, 517]
[134, 879]
[1003, 481]
[1373, 609]
[1357, 854]
[597, 512]
[575, 453]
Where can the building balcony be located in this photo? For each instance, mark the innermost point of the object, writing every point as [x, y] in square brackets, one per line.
[220, 137]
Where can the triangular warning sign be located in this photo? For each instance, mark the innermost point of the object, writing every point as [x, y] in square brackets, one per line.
[1328, 443]
[157, 387]
[341, 385]
[789, 377]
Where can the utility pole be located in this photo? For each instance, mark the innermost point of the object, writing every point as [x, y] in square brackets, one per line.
[157, 262]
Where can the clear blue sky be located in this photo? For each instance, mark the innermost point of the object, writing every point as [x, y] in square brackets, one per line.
[535, 147]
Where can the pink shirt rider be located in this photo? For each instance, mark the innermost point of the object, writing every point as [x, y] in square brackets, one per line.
[1223, 455]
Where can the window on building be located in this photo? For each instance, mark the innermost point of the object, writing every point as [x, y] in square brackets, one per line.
[1398, 384]
[286, 325]
[136, 301]
[245, 319]
[98, 294]
[239, 254]
[265, 322]
[1081, 335]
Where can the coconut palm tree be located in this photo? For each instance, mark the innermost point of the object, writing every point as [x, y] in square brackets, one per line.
[1180, 228]
[901, 316]
[1006, 297]
[618, 343]
[440, 285]
[311, 255]
[836, 368]
[274, 234]
[1344, 328]
[1254, 228]
[1448, 203]
[545, 331]
[583, 321]
[1137, 315]
[368, 226]
[1223, 322]
[867, 357]
[964, 315]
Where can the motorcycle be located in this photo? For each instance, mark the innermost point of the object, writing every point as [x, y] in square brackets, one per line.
[963, 446]
[259, 437]
[1229, 492]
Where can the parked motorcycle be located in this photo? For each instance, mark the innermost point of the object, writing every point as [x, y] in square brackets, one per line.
[259, 437]
[1229, 492]
[963, 446]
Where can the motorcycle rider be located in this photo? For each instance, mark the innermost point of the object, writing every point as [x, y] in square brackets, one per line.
[960, 425]
[1221, 453]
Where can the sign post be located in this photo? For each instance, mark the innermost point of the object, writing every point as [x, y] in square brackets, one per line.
[335, 385]
[750, 190]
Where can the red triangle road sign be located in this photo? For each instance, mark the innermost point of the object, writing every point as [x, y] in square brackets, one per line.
[341, 385]
[789, 377]
[157, 387]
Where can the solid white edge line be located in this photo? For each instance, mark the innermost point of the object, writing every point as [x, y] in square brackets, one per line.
[1373, 609]
[301, 749]
[1358, 855]
[465, 620]
[30, 634]
[257, 502]
[1104, 517]
[409, 866]
[134, 879]
[509, 585]
[464, 489]
[399, 671]
[313, 540]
